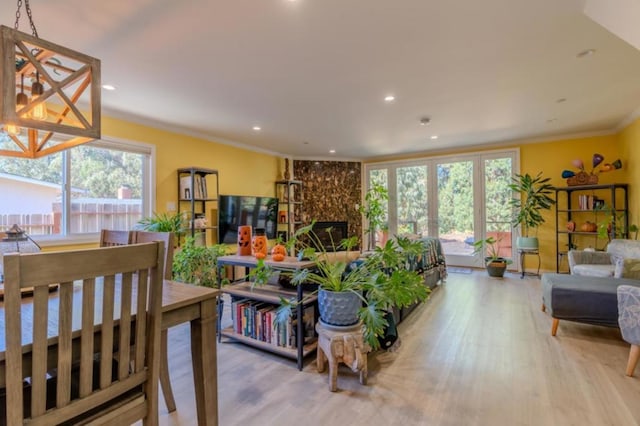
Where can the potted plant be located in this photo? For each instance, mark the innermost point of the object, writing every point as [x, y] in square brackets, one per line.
[371, 287]
[164, 222]
[374, 210]
[535, 196]
[496, 265]
[196, 264]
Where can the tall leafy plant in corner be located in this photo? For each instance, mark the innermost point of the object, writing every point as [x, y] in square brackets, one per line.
[535, 196]
[374, 210]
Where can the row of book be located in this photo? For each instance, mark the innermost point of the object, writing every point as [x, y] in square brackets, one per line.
[257, 320]
[199, 189]
[589, 202]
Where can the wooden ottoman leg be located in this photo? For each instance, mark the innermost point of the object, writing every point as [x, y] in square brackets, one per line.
[634, 356]
[554, 326]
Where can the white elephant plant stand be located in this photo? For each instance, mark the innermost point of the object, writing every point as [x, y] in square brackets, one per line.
[338, 344]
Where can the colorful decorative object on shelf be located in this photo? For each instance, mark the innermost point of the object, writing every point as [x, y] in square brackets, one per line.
[571, 226]
[278, 252]
[259, 244]
[589, 227]
[591, 178]
[244, 240]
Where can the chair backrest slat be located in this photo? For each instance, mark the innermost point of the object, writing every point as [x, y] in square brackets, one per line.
[167, 238]
[87, 342]
[109, 238]
[106, 349]
[106, 296]
[39, 351]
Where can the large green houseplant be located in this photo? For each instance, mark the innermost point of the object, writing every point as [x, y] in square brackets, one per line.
[197, 264]
[374, 210]
[377, 283]
[534, 197]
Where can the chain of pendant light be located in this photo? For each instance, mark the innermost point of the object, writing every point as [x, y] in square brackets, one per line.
[27, 7]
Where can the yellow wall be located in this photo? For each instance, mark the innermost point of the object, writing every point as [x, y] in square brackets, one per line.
[551, 158]
[629, 140]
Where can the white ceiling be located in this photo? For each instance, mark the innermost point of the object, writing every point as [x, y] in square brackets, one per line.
[313, 73]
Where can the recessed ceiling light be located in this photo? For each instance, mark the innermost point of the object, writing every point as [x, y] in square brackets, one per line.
[434, 137]
[108, 87]
[257, 128]
[332, 151]
[586, 53]
[389, 98]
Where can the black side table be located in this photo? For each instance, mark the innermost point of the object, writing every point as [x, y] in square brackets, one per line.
[525, 252]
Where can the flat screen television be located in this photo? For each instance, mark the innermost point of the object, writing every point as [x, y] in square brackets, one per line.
[237, 210]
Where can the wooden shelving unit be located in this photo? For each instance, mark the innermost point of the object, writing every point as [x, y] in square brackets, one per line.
[270, 294]
[289, 193]
[198, 190]
[614, 195]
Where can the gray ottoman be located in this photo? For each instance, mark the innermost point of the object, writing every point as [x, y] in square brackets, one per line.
[591, 300]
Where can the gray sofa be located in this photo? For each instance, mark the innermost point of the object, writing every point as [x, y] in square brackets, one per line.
[586, 299]
[603, 263]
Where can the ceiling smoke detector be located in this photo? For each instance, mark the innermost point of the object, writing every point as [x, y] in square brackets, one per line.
[425, 121]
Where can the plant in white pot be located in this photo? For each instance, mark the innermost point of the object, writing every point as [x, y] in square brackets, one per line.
[535, 196]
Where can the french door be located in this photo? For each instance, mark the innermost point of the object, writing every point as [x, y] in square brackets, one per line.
[458, 199]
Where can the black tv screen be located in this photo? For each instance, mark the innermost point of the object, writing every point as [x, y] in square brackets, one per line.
[238, 210]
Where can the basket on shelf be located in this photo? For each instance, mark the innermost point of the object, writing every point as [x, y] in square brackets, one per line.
[582, 178]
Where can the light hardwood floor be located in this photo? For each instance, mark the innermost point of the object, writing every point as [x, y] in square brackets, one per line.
[479, 352]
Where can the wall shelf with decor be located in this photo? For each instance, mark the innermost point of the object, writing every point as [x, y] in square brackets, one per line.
[253, 311]
[198, 190]
[581, 208]
[289, 193]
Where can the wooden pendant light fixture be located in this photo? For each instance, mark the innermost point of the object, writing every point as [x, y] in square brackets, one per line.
[50, 98]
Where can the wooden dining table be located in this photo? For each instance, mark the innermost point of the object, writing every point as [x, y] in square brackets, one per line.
[181, 303]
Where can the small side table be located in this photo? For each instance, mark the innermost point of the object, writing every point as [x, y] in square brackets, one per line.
[525, 252]
[341, 344]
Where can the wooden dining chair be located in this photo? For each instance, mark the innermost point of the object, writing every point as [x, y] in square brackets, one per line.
[167, 238]
[109, 309]
[109, 238]
[165, 378]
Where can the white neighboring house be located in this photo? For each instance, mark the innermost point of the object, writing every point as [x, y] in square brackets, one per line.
[21, 195]
[29, 203]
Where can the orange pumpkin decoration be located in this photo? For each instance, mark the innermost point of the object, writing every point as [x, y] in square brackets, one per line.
[244, 240]
[589, 227]
[259, 246]
[278, 252]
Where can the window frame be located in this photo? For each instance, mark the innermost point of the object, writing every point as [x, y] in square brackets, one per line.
[148, 151]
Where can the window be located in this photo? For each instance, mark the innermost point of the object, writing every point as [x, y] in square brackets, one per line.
[103, 184]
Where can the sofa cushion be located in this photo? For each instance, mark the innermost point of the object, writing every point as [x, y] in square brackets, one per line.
[626, 249]
[591, 300]
[629, 268]
[594, 270]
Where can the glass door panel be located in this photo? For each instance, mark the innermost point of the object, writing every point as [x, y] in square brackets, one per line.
[412, 211]
[497, 177]
[456, 221]
[378, 237]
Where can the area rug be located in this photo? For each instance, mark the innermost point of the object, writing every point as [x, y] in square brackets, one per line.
[457, 270]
